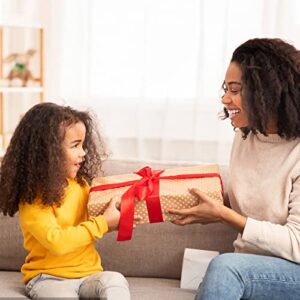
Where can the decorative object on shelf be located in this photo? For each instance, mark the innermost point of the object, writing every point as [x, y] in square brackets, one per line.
[20, 69]
[21, 75]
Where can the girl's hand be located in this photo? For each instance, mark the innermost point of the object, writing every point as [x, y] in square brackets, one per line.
[112, 215]
[207, 211]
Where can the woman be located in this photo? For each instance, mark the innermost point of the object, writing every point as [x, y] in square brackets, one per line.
[262, 99]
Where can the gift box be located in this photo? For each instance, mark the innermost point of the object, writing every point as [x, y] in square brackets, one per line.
[148, 193]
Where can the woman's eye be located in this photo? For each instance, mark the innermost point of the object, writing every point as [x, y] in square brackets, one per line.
[234, 92]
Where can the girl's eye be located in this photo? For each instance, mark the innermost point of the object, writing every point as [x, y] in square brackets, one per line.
[75, 146]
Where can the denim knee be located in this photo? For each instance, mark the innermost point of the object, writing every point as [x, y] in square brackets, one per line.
[222, 263]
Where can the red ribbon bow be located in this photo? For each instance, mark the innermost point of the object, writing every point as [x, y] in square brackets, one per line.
[147, 188]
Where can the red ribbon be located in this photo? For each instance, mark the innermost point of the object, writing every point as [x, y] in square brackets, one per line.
[146, 188]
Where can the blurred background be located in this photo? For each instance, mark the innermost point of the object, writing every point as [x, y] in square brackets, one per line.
[150, 70]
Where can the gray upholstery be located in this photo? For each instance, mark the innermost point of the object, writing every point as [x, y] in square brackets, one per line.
[11, 286]
[151, 260]
[156, 250]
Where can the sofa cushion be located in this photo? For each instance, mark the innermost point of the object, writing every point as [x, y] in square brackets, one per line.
[11, 286]
[158, 289]
[12, 253]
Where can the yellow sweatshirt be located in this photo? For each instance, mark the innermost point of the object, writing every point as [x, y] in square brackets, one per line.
[60, 240]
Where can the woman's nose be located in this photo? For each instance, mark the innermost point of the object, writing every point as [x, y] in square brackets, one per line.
[225, 99]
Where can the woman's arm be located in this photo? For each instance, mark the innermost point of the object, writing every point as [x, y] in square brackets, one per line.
[282, 240]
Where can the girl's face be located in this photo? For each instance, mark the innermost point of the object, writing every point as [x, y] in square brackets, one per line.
[232, 98]
[73, 147]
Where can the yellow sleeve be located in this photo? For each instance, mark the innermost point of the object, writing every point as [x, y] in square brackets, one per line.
[41, 223]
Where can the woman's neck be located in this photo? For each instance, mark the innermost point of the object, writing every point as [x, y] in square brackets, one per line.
[272, 127]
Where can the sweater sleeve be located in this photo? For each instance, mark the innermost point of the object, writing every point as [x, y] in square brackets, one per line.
[41, 223]
[278, 240]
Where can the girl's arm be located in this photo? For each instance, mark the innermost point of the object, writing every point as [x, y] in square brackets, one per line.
[40, 222]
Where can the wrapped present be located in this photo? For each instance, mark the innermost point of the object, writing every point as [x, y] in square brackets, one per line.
[149, 193]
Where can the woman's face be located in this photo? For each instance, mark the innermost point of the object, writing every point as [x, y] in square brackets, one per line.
[73, 146]
[232, 98]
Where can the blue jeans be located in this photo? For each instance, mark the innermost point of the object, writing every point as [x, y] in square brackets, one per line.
[248, 276]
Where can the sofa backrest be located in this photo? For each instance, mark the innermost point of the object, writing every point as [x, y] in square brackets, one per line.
[156, 250]
[12, 253]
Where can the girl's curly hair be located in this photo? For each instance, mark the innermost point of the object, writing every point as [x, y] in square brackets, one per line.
[270, 85]
[34, 163]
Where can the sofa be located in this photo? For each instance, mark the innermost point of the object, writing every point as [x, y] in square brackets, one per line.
[151, 261]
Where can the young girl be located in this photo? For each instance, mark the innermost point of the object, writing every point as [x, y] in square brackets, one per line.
[262, 100]
[45, 174]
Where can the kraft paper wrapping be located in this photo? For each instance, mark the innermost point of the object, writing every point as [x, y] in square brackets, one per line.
[173, 192]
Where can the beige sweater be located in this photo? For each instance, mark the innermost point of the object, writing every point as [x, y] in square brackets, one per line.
[264, 186]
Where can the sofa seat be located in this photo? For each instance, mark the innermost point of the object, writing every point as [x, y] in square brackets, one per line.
[11, 285]
[158, 289]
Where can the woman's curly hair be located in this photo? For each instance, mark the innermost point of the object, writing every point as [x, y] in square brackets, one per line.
[34, 163]
[270, 85]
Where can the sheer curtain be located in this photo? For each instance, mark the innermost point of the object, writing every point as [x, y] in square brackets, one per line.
[151, 69]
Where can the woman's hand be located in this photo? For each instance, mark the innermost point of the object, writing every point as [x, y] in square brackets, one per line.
[207, 211]
[112, 214]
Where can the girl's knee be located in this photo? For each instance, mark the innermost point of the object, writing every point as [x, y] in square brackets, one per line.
[110, 278]
[115, 278]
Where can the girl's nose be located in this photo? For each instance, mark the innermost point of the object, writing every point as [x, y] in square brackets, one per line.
[82, 153]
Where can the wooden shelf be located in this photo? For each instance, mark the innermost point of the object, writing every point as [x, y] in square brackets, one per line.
[21, 25]
[33, 89]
